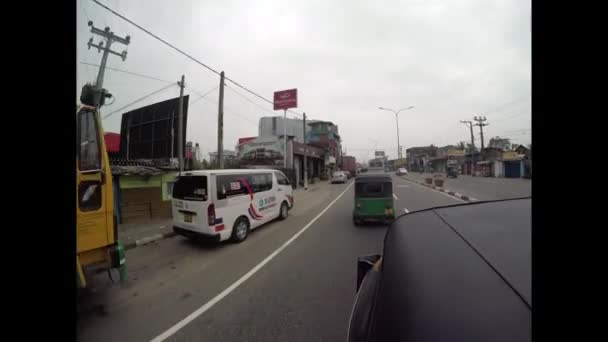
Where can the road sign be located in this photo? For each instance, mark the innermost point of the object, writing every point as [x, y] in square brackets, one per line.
[285, 99]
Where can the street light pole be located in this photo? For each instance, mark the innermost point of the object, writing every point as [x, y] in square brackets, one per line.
[397, 120]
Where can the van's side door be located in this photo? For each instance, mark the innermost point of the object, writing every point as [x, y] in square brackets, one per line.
[233, 198]
[263, 204]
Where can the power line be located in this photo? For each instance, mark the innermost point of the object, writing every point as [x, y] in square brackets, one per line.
[254, 103]
[84, 10]
[131, 73]
[519, 130]
[250, 101]
[512, 116]
[493, 110]
[185, 54]
[230, 111]
[201, 95]
[138, 100]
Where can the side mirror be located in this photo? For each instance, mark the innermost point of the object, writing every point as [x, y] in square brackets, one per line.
[364, 264]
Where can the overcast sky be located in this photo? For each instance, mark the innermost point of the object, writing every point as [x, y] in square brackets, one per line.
[452, 60]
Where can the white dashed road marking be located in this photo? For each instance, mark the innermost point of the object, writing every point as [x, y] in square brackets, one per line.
[395, 197]
[406, 211]
[179, 325]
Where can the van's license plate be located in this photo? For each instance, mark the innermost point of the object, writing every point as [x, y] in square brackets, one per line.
[188, 217]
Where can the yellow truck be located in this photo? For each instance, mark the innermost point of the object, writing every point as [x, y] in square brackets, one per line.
[97, 245]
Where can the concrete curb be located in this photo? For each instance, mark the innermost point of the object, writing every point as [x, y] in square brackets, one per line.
[148, 239]
[451, 193]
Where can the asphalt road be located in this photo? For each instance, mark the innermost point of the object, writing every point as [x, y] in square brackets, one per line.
[484, 188]
[304, 293]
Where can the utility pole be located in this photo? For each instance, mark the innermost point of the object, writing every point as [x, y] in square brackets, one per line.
[481, 123]
[220, 125]
[472, 149]
[305, 154]
[180, 128]
[285, 138]
[396, 112]
[109, 39]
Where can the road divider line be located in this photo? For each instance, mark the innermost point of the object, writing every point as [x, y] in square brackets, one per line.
[397, 198]
[179, 325]
[406, 211]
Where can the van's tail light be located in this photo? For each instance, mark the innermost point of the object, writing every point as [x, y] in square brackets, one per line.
[211, 214]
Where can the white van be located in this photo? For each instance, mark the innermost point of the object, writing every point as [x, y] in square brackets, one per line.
[226, 204]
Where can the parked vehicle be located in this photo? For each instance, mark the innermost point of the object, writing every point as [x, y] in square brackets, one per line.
[441, 278]
[348, 175]
[401, 171]
[338, 177]
[97, 244]
[227, 204]
[373, 198]
[452, 172]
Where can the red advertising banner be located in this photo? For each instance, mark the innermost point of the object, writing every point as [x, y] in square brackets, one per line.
[286, 99]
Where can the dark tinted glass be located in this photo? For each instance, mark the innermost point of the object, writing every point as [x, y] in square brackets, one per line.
[89, 155]
[281, 179]
[231, 185]
[373, 190]
[89, 196]
[191, 188]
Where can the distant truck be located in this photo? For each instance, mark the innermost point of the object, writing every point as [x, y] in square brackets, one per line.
[377, 165]
[349, 163]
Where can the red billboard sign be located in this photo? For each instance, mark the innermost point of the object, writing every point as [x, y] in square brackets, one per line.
[286, 99]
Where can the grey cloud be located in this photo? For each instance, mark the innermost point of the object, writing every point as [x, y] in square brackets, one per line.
[451, 59]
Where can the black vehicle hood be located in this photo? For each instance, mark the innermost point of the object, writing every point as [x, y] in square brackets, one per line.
[460, 273]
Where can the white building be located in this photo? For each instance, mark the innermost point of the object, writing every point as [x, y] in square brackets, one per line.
[228, 155]
[273, 126]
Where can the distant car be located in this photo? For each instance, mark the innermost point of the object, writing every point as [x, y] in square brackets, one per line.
[401, 171]
[475, 285]
[348, 174]
[339, 177]
[452, 172]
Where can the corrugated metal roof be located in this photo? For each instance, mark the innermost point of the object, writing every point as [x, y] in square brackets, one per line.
[135, 170]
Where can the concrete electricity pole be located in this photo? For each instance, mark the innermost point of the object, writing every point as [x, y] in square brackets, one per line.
[481, 123]
[220, 125]
[305, 154]
[472, 149]
[180, 128]
[109, 39]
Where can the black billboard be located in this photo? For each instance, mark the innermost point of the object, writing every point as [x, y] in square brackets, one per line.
[145, 133]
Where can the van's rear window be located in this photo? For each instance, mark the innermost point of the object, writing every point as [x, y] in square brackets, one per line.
[191, 188]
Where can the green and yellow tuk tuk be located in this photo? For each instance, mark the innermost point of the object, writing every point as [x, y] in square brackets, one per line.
[373, 198]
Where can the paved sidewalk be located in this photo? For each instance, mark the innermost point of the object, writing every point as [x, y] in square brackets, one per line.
[133, 235]
[482, 188]
[136, 234]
